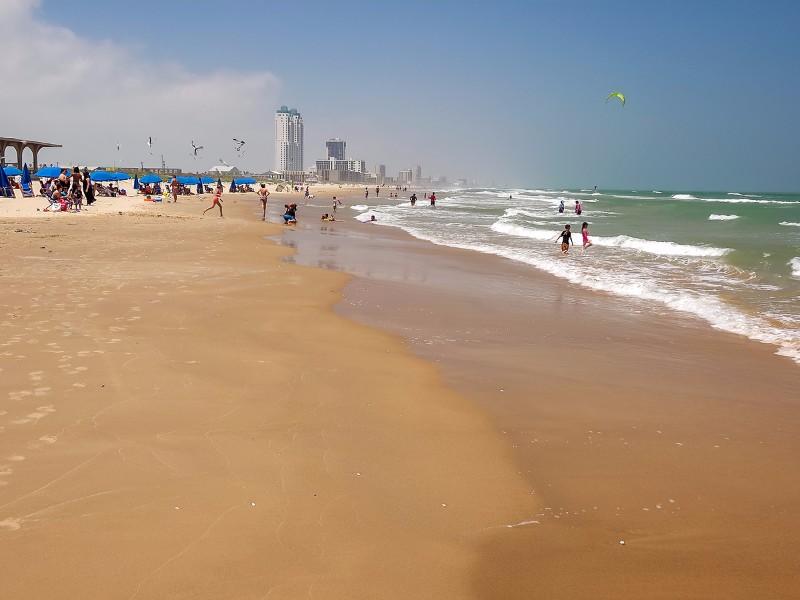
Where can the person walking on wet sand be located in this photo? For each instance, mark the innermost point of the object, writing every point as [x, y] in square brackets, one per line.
[217, 201]
[566, 239]
[263, 194]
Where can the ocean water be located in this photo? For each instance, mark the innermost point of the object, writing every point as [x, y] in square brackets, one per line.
[729, 258]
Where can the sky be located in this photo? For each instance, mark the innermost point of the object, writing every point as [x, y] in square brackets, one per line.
[506, 93]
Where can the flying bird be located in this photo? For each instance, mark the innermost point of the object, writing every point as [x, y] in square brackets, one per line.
[239, 146]
[195, 149]
[150, 144]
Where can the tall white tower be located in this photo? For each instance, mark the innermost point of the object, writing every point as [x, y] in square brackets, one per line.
[288, 140]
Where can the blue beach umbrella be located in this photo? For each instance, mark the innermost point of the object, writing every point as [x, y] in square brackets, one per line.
[102, 176]
[233, 185]
[199, 187]
[206, 180]
[117, 176]
[244, 181]
[136, 181]
[219, 182]
[151, 178]
[12, 171]
[26, 175]
[48, 172]
[5, 186]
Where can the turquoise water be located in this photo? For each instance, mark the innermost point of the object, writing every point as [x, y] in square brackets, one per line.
[730, 258]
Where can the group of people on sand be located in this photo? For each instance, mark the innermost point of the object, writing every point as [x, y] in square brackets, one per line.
[67, 191]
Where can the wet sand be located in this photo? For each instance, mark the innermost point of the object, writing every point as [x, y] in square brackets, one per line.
[630, 424]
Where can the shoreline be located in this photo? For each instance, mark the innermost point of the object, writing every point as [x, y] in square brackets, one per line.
[510, 490]
[676, 428]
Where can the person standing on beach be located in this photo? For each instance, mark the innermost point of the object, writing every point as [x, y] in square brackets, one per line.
[585, 234]
[88, 188]
[566, 239]
[174, 185]
[578, 209]
[263, 194]
[217, 201]
[366, 192]
[377, 191]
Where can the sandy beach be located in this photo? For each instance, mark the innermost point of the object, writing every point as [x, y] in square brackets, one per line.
[196, 407]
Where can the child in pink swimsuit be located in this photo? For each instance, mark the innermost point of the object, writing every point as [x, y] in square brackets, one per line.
[585, 234]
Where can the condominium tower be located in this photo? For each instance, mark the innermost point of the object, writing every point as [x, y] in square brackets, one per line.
[288, 140]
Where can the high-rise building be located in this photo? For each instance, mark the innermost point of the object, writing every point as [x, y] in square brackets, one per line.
[418, 174]
[336, 149]
[288, 140]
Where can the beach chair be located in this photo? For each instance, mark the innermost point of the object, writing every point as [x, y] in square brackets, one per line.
[27, 191]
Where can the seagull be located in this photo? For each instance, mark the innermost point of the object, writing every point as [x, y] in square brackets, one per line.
[150, 144]
[196, 148]
[239, 145]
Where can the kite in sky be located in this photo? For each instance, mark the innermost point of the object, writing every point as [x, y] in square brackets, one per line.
[616, 95]
[195, 149]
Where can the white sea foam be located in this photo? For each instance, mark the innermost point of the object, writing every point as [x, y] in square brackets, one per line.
[795, 265]
[527, 232]
[620, 241]
[360, 207]
[722, 217]
[658, 248]
[788, 224]
[683, 197]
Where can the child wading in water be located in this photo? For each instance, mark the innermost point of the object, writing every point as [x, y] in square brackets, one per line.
[566, 239]
[585, 234]
[217, 201]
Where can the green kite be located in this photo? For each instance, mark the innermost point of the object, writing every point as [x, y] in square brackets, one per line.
[616, 95]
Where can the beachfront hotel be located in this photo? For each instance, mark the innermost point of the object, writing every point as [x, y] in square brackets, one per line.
[288, 140]
[336, 148]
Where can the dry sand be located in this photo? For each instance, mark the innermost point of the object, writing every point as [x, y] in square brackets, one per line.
[183, 415]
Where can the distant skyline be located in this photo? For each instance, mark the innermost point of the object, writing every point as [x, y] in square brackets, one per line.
[510, 92]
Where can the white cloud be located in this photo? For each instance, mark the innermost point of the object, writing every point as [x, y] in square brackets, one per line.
[90, 95]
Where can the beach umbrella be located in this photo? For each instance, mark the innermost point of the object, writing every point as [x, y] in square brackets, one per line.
[48, 172]
[206, 180]
[151, 178]
[102, 176]
[199, 187]
[244, 181]
[26, 175]
[136, 181]
[117, 176]
[233, 185]
[5, 185]
[12, 171]
[219, 182]
[186, 180]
